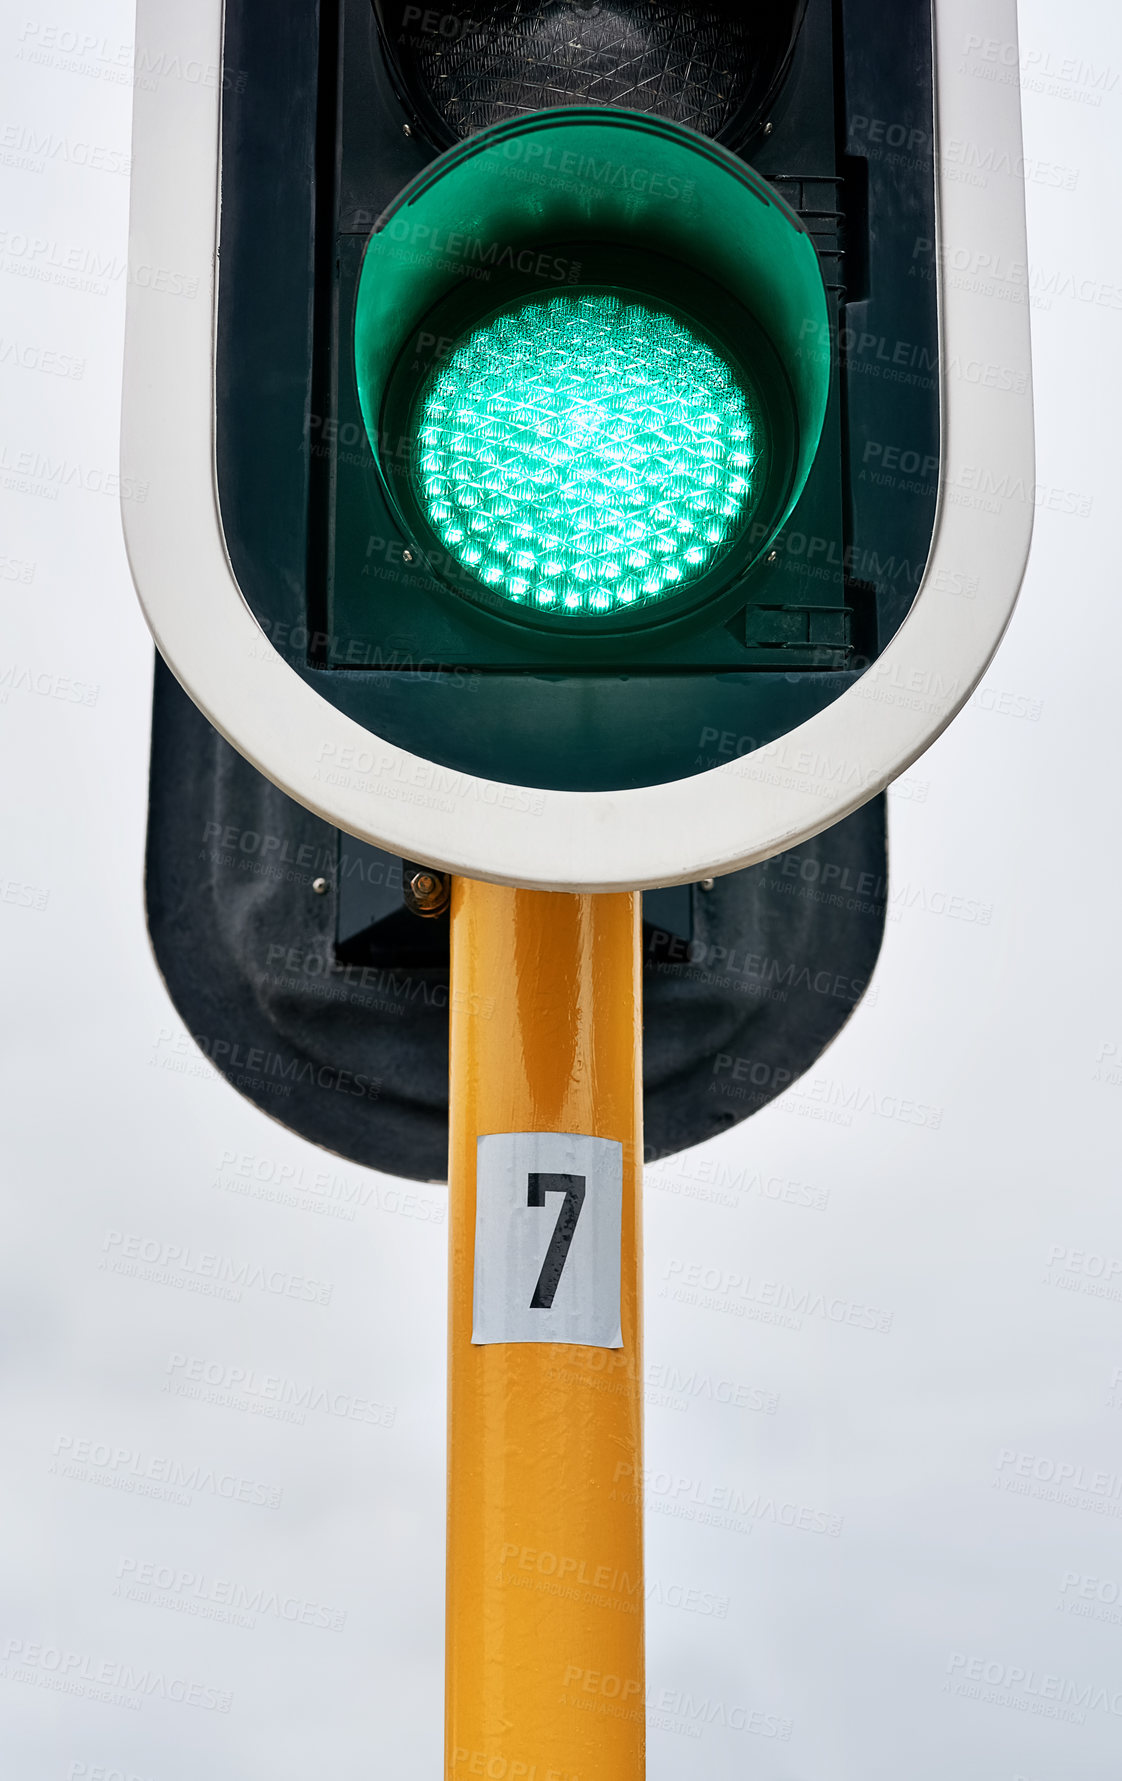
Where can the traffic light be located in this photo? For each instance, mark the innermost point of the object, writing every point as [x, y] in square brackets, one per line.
[441, 167]
[549, 493]
[606, 464]
[601, 440]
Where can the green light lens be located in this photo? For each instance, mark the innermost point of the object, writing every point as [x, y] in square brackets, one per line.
[587, 454]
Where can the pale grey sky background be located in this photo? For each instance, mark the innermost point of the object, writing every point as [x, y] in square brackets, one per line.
[992, 1234]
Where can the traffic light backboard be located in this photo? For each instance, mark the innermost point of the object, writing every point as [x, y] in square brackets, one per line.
[589, 471]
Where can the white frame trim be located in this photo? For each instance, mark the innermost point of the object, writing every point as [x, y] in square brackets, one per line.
[718, 821]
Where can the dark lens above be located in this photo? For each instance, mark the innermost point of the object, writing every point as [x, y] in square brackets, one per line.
[710, 66]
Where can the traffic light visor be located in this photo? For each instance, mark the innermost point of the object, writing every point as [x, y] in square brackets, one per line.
[592, 356]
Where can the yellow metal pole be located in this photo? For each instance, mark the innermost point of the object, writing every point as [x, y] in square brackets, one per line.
[545, 1598]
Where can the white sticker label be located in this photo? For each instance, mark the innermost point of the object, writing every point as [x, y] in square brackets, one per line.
[548, 1229]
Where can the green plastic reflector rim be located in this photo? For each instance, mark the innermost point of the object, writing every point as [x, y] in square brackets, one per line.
[587, 453]
[569, 330]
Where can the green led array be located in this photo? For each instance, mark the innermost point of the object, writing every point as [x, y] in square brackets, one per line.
[587, 454]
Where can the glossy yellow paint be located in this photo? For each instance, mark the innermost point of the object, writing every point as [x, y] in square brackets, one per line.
[545, 1663]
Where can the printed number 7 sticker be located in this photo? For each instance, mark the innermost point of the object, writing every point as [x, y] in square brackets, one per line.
[548, 1228]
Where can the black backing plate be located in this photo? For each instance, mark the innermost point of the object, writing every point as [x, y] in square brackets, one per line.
[354, 1057]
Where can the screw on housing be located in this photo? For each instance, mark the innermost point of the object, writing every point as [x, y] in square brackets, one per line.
[427, 893]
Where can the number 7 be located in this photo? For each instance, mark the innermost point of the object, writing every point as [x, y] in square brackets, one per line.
[572, 1186]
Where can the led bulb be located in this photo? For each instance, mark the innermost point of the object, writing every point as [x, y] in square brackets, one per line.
[605, 435]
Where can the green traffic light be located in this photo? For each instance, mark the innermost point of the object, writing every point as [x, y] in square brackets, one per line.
[592, 354]
[587, 453]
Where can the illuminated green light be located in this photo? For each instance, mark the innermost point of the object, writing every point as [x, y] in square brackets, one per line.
[587, 454]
